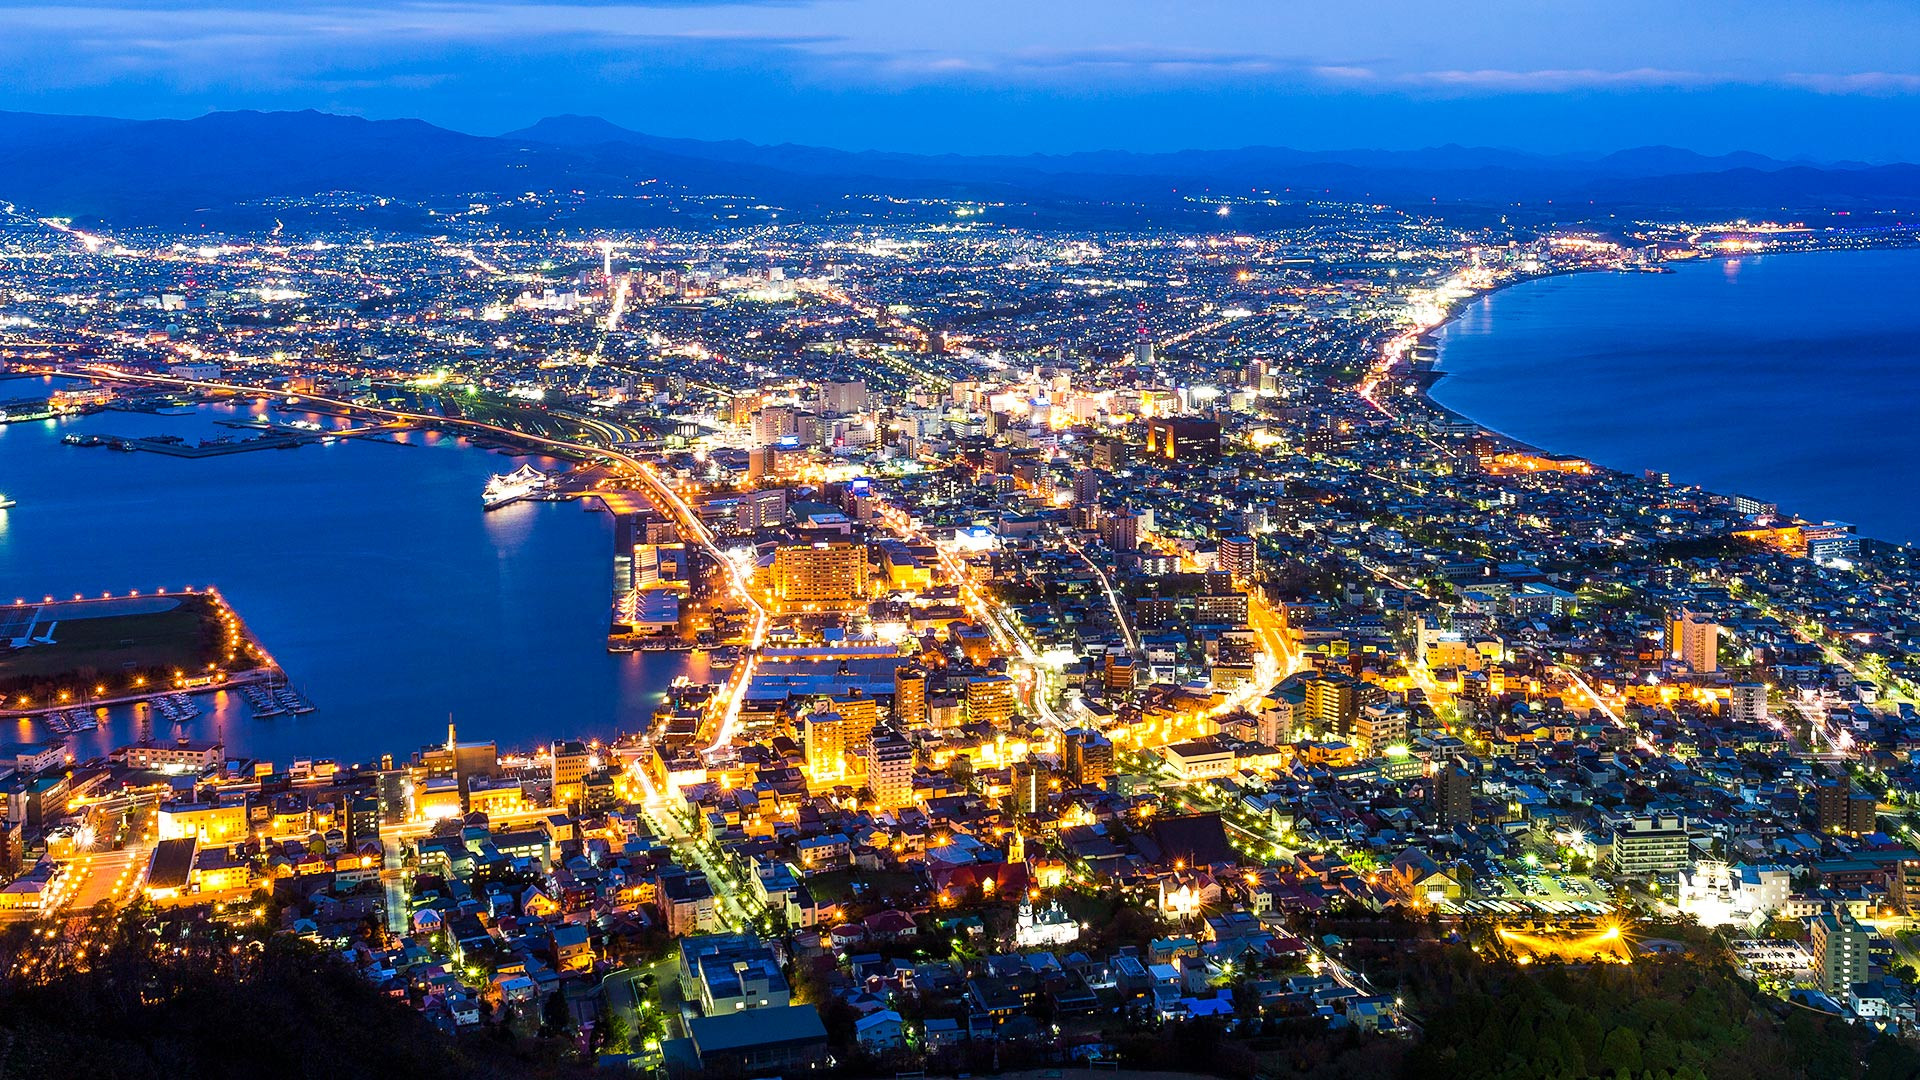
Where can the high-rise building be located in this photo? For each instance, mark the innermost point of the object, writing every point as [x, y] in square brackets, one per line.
[843, 398]
[829, 739]
[1333, 703]
[1377, 728]
[910, 696]
[889, 768]
[1086, 488]
[1277, 710]
[1695, 639]
[822, 572]
[571, 760]
[762, 509]
[1905, 884]
[1120, 529]
[1654, 844]
[1839, 808]
[742, 406]
[1840, 951]
[393, 788]
[1239, 557]
[775, 422]
[1220, 609]
[1173, 438]
[857, 707]
[1747, 703]
[778, 460]
[1089, 758]
[989, 699]
[1030, 782]
[1450, 796]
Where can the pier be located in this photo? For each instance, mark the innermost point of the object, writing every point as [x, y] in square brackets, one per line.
[272, 436]
[174, 446]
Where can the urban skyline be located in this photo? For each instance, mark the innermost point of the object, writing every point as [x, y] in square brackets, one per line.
[565, 601]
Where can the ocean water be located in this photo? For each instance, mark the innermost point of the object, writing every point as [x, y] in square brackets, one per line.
[369, 571]
[1793, 378]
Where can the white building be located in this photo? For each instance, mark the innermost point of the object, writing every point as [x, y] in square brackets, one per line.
[1044, 927]
[1654, 844]
[1717, 894]
[1747, 702]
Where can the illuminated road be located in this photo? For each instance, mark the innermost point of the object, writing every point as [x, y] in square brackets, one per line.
[983, 610]
[113, 876]
[1113, 599]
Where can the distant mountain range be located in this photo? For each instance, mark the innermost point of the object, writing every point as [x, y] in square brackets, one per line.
[236, 167]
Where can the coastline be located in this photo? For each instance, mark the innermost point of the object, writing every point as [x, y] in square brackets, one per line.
[329, 621]
[1428, 339]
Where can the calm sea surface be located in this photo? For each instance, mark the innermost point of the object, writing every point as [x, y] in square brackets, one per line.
[1792, 378]
[369, 571]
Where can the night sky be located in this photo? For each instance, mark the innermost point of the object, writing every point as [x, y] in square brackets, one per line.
[1825, 79]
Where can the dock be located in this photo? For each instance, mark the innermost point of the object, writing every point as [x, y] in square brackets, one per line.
[271, 436]
[174, 446]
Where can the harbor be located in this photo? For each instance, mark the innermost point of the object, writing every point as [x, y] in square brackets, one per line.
[387, 597]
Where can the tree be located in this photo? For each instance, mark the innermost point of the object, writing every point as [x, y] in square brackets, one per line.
[616, 1033]
[555, 1017]
[1620, 1052]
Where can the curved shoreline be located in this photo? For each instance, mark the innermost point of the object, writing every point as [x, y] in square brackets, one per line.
[1429, 338]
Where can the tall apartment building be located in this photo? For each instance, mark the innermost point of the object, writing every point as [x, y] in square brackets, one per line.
[571, 760]
[824, 572]
[762, 509]
[1088, 757]
[1840, 946]
[1120, 529]
[1377, 728]
[1030, 785]
[1747, 703]
[889, 768]
[1450, 796]
[989, 699]
[1239, 556]
[1839, 808]
[1333, 703]
[910, 696]
[775, 422]
[1086, 488]
[830, 739]
[1695, 639]
[1654, 844]
[843, 398]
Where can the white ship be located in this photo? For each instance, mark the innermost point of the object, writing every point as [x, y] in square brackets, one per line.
[512, 487]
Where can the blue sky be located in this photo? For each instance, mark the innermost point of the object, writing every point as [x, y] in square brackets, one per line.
[1821, 78]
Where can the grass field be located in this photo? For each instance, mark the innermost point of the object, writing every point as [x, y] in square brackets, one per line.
[118, 653]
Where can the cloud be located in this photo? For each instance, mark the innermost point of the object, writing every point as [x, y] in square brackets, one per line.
[1570, 80]
[1557, 80]
[1869, 83]
[294, 45]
